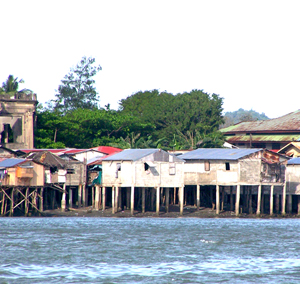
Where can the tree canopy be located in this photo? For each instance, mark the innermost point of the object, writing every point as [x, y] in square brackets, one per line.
[11, 85]
[77, 89]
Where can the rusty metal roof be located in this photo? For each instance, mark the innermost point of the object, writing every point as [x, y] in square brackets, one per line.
[263, 138]
[287, 123]
[218, 154]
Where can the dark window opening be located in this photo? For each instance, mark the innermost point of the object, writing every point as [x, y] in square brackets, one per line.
[70, 171]
[146, 167]
[7, 135]
[227, 166]
[207, 166]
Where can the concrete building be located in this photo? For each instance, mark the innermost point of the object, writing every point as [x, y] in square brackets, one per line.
[17, 119]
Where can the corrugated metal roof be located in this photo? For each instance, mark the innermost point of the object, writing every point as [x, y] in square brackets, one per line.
[131, 155]
[294, 161]
[288, 122]
[263, 138]
[218, 154]
[8, 163]
[107, 149]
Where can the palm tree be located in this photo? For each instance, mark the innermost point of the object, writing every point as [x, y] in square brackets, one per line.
[11, 85]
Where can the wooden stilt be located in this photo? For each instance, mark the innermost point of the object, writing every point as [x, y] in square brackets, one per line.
[70, 197]
[63, 199]
[250, 200]
[198, 196]
[143, 199]
[79, 195]
[223, 199]
[262, 200]
[84, 196]
[93, 196]
[157, 200]
[128, 197]
[174, 196]
[289, 203]
[11, 211]
[231, 199]
[277, 203]
[113, 204]
[3, 201]
[117, 199]
[298, 199]
[132, 200]
[181, 200]
[237, 200]
[103, 198]
[271, 199]
[258, 200]
[26, 202]
[42, 199]
[120, 205]
[97, 197]
[283, 199]
[167, 199]
[217, 199]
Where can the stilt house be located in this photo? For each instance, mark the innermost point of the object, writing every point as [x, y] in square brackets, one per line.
[231, 169]
[141, 168]
[293, 184]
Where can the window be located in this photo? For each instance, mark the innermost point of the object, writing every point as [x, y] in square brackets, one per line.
[207, 166]
[172, 169]
[118, 169]
[146, 167]
[70, 171]
[227, 166]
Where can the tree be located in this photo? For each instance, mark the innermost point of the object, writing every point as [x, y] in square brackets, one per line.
[11, 85]
[77, 89]
[184, 113]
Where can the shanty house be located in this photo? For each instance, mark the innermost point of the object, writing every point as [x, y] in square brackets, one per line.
[142, 168]
[291, 150]
[21, 172]
[234, 167]
[293, 184]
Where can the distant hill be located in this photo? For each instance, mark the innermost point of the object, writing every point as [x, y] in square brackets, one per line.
[242, 115]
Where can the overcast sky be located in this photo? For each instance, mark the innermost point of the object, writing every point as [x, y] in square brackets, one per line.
[248, 52]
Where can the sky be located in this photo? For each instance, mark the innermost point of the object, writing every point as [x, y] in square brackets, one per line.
[247, 52]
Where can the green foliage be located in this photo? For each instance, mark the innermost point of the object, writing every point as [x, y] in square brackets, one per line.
[147, 119]
[183, 113]
[77, 89]
[11, 85]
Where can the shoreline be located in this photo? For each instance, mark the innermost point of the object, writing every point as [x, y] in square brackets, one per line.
[188, 212]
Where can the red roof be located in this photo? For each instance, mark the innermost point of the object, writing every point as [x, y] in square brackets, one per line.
[107, 149]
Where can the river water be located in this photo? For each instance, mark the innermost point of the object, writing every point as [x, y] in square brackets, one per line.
[149, 250]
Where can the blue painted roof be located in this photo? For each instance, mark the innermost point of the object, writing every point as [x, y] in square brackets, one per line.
[294, 161]
[218, 154]
[7, 163]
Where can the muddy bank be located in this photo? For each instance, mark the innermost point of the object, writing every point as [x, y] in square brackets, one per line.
[188, 212]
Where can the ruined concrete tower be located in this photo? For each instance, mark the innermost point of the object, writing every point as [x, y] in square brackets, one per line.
[17, 117]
